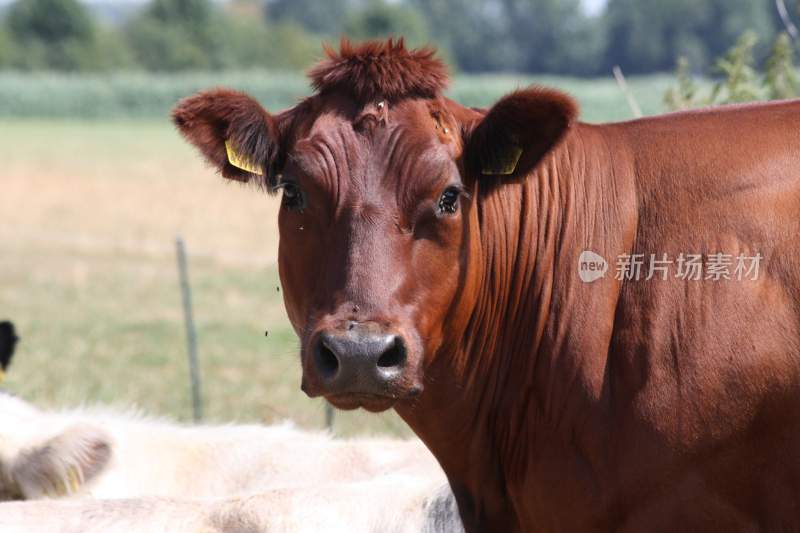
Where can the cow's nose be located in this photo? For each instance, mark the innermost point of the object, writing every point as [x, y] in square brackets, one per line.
[359, 359]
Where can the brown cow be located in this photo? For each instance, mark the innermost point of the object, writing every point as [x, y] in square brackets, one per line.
[459, 266]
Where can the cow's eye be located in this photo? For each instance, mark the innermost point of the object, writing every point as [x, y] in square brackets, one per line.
[448, 202]
[292, 195]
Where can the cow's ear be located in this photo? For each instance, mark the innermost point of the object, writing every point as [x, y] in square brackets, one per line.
[517, 132]
[233, 132]
[64, 464]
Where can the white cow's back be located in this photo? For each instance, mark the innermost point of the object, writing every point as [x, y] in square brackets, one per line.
[151, 457]
[361, 507]
[163, 476]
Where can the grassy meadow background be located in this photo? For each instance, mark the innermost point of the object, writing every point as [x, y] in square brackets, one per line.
[94, 187]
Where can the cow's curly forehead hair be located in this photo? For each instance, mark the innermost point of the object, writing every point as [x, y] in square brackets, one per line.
[378, 70]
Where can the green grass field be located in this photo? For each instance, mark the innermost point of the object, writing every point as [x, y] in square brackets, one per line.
[89, 210]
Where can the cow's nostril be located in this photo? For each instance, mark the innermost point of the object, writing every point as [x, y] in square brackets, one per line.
[327, 362]
[394, 356]
[358, 360]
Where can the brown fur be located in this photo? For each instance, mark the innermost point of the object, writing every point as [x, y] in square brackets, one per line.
[379, 70]
[508, 125]
[554, 404]
[209, 118]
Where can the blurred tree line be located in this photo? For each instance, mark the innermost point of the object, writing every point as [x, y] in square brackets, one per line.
[532, 36]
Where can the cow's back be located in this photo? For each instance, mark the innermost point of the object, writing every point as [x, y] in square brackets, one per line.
[704, 374]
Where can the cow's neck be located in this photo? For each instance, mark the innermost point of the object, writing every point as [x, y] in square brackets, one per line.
[526, 372]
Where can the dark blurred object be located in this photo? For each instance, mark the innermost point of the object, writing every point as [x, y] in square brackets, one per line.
[8, 340]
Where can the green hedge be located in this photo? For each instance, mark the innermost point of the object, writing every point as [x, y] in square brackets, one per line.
[144, 95]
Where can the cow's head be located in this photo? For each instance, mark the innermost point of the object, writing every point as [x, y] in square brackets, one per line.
[380, 177]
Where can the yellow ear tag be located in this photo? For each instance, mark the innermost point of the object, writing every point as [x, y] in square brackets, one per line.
[240, 162]
[2, 375]
[504, 166]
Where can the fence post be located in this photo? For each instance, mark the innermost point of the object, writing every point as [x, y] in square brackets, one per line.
[791, 29]
[191, 333]
[329, 416]
[623, 86]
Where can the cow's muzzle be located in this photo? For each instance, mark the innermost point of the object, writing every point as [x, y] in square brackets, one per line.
[358, 361]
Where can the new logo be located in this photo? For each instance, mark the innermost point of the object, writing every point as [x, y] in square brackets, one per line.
[591, 266]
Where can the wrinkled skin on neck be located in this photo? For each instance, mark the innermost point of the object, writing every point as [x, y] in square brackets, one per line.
[500, 390]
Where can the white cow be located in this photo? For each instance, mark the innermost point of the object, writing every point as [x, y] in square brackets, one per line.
[388, 504]
[274, 478]
[125, 455]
